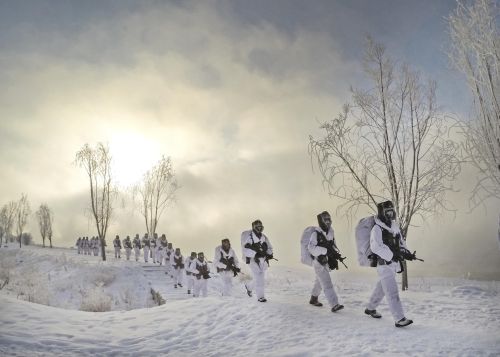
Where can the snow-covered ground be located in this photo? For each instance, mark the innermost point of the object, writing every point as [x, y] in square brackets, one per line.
[451, 316]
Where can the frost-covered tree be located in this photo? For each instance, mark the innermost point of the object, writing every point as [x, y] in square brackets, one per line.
[44, 216]
[390, 143]
[156, 191]
[7, 218]
[475, 51]
[23, 211]
[97, 164]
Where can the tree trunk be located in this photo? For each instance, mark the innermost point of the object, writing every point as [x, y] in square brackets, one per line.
[43, 241]
[20, 236]
[103, 249]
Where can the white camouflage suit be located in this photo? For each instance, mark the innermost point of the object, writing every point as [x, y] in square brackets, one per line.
[226, 275]
[145, 248]
[200, 284]
[152, 246]
[117, 244]
[189, 275]
[178, 268]
[96, 246]
[79, 245]
[323, 279]
[137, 247]
[258, 268]
[387, 285]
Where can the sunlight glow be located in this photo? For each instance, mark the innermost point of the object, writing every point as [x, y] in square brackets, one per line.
[133, 154]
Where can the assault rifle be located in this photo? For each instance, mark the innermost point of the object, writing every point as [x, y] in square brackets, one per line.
[406, 254]
[334, 257]
[229, 264]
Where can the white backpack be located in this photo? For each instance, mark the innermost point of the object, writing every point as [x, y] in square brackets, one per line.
[363, 230]
[305, 256]
[244, 237]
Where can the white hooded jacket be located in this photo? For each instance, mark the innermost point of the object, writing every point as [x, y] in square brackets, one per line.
[313, 247]
[252, 238]
[230, 254]
[377, 245]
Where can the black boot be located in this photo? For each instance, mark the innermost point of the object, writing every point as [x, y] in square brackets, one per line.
[373, 313]
[314, 301]
[403, 322]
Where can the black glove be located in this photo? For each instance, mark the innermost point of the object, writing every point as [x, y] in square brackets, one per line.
[322, 259]
[333, 264]
[396, 257]
[269, 257]
[237, 270]
[256, 258]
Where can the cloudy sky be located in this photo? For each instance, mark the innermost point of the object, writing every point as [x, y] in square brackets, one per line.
[231, 90]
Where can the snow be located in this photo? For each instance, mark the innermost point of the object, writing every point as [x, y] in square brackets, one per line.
[451, 316]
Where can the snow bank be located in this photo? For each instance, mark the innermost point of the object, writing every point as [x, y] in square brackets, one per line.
[452, 317]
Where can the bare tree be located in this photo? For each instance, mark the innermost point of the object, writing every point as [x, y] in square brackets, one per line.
[391, 143]
[97, 164]
[475, 51]
[44, 216]
[156, 191]
[23, 211]
[7, 217]
[49, 230]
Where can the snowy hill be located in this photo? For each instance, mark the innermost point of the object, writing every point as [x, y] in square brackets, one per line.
[452, 316]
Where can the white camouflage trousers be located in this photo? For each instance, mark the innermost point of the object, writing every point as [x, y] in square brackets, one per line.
[146, 253]
[259, 276]
[137, 251]
[323, 282]
[178, 273]
[200, 286]
[159, 256]
[153, 254]
[117, 252]
[128, 251]
[227, 282]
[190, 282]
[387, 286]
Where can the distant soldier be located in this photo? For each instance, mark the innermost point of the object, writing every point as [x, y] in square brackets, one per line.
[127, 244]
[86, 246]
[79, 245]
[178, 267]
[152, 246]
[189, 275]
[97, 244]
[145, 247]
[160, 250]
[162, 246]
[201, 272]
[169, 252]
[118, 246]
[227, 265]
[100, 243]
[137, 247]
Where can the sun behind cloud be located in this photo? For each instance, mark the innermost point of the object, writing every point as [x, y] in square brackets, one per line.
[133, 154]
